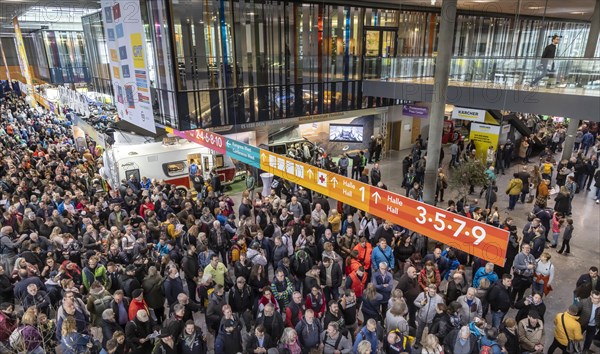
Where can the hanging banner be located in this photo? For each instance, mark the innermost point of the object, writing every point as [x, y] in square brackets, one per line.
[5, 64]
[415, 111]
[126, 44]
[479, 239]
[474, 115]
[22, 54]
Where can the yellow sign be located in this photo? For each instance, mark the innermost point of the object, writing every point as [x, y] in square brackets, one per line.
[484, 136]
[116, 72]
[113, 55]
[22, 54]
[138, 50]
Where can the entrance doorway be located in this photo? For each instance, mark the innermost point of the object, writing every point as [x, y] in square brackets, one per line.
[378, 43]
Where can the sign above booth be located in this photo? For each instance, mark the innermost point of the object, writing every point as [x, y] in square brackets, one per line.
[474, 115]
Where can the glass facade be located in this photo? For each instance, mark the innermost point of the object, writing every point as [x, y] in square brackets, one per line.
[225, 62]
[95, 46]
[60, 56]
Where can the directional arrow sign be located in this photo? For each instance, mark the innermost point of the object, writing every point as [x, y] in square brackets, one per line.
[376, 197]
[262, 155]
[309, 173]
[334, 182]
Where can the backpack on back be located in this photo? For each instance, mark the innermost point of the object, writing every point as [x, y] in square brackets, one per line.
[102, 304]
[16, 339]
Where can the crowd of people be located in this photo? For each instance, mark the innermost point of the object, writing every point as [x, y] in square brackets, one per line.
[142, 268]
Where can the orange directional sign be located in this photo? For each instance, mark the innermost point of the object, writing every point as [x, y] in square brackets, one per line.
[479, 239]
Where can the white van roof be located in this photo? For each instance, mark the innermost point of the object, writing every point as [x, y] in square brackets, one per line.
[153, 148]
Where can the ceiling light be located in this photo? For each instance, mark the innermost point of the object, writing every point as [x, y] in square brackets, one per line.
[535, 7]
[577, 12]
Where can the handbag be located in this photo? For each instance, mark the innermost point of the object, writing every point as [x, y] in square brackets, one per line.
[573, 346]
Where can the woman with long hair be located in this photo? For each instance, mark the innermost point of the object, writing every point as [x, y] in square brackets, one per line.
[72, 341]
[31, 340]
[429, 275]
[402, 252]
[289, 341]
[371, 302]
[257, 282]
[431, 345]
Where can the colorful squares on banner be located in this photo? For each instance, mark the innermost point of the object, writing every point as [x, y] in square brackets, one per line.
[116, 9]
[119, 30]
[130, 97]
[125, 71]
[114, 56]
[120, 94]
[138, 50]
[123, 52]
[108, 17]
[110, 34]
[116, 72]
[143, 98]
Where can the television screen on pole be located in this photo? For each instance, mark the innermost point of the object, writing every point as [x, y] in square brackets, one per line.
[348, 133]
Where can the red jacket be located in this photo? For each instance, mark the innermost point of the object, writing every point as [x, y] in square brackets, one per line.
[358, 285]
[364, 254]
[135, 306]
[7, 326]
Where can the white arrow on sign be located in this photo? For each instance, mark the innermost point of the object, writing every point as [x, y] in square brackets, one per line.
[334, 182]
[310, 173]
[264, 156]
[376, 196]
[227, 143]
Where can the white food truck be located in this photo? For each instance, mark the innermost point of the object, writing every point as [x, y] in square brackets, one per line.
[169, 160]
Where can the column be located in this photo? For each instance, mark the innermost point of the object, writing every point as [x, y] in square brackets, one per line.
[436, 117]
[570, 139]
[592, 41]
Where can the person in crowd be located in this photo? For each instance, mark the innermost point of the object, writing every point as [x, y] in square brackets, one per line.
[427, 303]
[531, 333]
[308, 332]
[499, 297]
[461, 341]
[566, 328]
[589, 317]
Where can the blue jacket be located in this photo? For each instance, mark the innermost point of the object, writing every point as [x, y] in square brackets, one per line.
[588, 139]
[379, 256]
[380, 280]
[369, 336]
[496, 348]
[480, 274]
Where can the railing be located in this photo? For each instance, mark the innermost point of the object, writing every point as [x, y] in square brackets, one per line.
[569, 72]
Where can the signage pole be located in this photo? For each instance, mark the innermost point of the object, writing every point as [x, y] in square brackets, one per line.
[438, 104]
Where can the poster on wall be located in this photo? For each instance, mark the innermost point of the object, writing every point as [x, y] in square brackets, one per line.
[484, 136]
[126, 43]
[22, 54]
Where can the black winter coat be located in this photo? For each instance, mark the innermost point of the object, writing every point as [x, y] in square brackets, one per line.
[499, 297]
[441, 326]
[336, 275]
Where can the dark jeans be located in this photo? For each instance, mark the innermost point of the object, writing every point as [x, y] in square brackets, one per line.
[565, 246]
[590, 333]
[520, 285]
[541, 76]
[331, 293]
[555, 344]
[512, 201]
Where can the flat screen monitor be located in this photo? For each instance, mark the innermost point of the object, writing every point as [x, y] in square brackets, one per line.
[348, 133]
